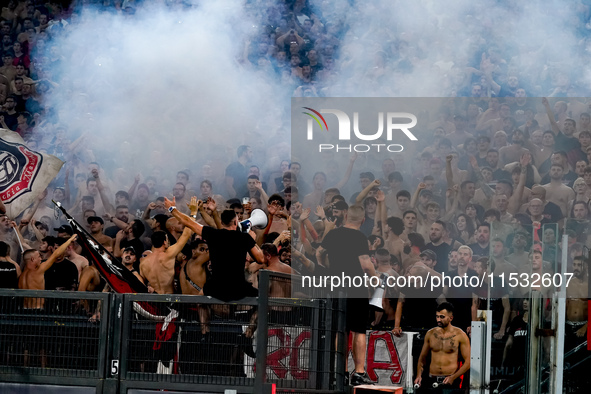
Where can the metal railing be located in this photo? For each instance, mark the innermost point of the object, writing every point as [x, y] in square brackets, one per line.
[173, 342]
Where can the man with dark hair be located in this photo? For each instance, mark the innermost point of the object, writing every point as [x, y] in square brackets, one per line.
[96, 229]
[438, 245]
[393, 243]
[345, 251]
[130, 237]
[158, 267]
[482, 245]
[63, 274]
[445, 343]
[227, 249]
[577, 294]
[365, 178]
[237, 172]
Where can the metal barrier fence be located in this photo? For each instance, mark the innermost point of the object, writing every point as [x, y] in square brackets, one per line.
[118, 342]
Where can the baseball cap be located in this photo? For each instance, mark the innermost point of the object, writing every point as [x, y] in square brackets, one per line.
[64, 229]
[95, 219]
[130, 249]
[429, 253]
[340, 205]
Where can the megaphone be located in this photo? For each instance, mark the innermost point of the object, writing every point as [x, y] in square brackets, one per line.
[258, 219]
[378, 294]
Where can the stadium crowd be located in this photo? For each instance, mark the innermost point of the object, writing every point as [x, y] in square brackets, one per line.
[496, 181]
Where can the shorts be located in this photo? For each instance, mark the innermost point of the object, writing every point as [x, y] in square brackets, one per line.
[357, 314]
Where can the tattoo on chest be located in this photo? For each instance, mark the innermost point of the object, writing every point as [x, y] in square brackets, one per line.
[442, 338]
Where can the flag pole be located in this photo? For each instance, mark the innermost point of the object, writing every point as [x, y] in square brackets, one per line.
[19, 240]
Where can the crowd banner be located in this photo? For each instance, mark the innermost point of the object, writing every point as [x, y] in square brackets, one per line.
[24, 173]
[388, 359]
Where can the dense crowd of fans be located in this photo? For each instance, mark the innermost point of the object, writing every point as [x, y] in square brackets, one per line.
[498, 180]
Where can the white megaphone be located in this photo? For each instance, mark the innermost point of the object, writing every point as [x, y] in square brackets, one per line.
[378, 294]
[258, 219]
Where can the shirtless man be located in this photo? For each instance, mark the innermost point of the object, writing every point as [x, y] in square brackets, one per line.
[193, 273]
[556, 191]
[445, 342]
[279, 288]
[393, 227]
[33, 277]
[89, 279]
[158, 267]
[80, 261]
[577, 293]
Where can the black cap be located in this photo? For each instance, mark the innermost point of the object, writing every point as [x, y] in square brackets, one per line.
[429, 253]
[65, 229]
[95, 219]
[131, 249]
[340, 205]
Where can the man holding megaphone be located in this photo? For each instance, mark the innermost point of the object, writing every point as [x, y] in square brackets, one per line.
[227, 251]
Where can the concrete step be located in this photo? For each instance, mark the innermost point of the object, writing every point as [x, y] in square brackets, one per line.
[370, 389]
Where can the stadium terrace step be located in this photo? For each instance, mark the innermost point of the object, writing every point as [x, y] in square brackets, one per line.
[369, 389]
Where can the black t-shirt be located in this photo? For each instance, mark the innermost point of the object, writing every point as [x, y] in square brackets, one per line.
[461, 299]
[564, 143]
[239, 173]
[519, 329]
[62, 275]
[227, 251]
[10, 120]
[8, 275]
[442, 252]
[136, 243]
[344, 246]
[497, 292]
[479, 250]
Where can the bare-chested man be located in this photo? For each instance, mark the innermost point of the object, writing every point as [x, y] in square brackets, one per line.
[33, 277]
[556, 191]
[80, 261]
[158, 267]
[193, 273]
[446, 343]
[193, 277]
[577, 293]
[393, 227]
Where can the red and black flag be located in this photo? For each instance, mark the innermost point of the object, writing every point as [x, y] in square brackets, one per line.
[111, 269]
[122, 280]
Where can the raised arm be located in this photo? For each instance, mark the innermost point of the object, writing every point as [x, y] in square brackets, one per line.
[550, 114]
[515, 200]
[182, 218]
[104, 198]
[133, 186]
[449, 175]
[415, 196]
[486, 189]
[175, 249]
[31, 212]
[361, 196]
[56, 253]
[345, 179]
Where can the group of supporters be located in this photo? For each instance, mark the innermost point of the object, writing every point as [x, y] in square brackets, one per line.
[492, 187]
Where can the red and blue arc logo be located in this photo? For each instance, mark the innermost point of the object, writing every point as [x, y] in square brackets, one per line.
[315, 118]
